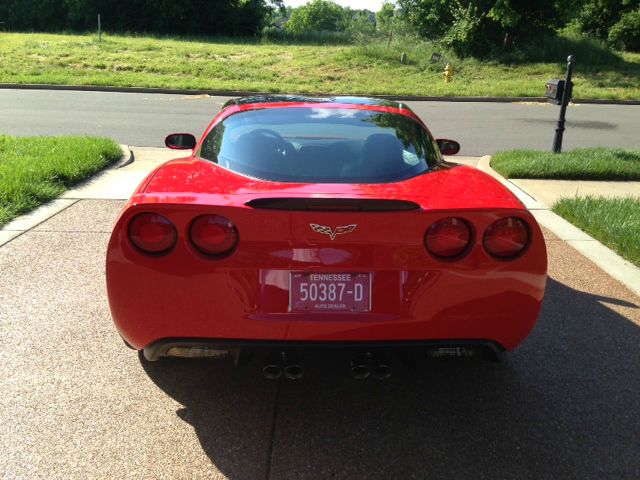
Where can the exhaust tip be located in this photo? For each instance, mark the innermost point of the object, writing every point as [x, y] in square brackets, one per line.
[279, 363]
[361, 365]
[274, 365]
[272, 372]
[294, 372]
[382, 371]
[360, 372]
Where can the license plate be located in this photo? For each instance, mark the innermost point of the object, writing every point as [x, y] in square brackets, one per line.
[329, 292]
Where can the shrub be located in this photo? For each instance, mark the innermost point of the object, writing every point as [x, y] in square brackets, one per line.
[482, 27]
[554, 48]
[465, 34]
[625, 35]
[597, 17]
[199, 17]
[277, 35]
[317, 15]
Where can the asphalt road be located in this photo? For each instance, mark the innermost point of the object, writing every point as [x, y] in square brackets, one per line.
[76, 403]
[144, 119]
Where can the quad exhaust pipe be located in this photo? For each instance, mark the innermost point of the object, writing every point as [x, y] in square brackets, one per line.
[279, 363]
[273, 365]
[382, 371]
[361, 365]
[365, 364]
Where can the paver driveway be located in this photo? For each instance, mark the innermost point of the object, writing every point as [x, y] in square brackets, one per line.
[77, 404]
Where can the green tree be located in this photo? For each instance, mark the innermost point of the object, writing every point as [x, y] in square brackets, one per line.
[278, 16]
[430, 18]
[597, 17]
[188, 17]
[361, 22]
[477, 26]
[466, 36]
[38, 15]
[318, 15]
[625, 34]
[528, 17]
[386, 17]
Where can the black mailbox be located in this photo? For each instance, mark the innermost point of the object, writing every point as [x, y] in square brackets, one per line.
[555, 89]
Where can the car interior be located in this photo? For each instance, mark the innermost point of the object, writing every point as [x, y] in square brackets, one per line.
[265, 152]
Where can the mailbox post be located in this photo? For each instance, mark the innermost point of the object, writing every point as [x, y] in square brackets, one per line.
[559, 93]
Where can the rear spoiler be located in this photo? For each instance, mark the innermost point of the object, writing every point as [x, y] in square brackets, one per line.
[332, 204]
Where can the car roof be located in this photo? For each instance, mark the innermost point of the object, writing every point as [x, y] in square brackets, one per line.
[345, 100]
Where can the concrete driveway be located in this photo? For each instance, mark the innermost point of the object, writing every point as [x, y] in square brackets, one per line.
[76, 403]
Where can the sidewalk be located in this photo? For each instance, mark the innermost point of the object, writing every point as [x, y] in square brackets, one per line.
[549, 192]
[119, 183]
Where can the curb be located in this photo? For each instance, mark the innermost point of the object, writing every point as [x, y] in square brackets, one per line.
[246, 93]
[127, 159]
[26, 222]
[44, 212]
[609, 261]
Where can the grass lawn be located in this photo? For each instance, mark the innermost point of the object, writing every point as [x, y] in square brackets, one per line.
[34, 170]
[364, 68]
[613, 221]
[579, 164]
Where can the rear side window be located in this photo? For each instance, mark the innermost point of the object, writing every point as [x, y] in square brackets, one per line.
[321, 145]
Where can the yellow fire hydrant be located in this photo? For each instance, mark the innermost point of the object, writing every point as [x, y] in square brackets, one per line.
[448, 73]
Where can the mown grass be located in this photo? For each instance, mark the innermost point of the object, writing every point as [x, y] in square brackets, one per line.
[367, 67]
[34, 170]
[613, 221]
[580, 164]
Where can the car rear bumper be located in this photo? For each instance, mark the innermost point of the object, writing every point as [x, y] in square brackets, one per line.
[227, 305]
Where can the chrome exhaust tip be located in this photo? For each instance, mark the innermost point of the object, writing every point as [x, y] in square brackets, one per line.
[282, 363]
[361, 366]
[274, 365]
[381, 368]
[272, 372]
[382, 371]
[294, 371]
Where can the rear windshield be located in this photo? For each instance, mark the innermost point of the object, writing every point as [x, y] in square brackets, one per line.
[321, 145]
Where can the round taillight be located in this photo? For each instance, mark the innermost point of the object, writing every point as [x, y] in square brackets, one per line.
[213, 234]
[152, 233]
[506, 237]
[448, 237]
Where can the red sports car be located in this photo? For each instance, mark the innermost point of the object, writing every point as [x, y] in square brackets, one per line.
[301, 223]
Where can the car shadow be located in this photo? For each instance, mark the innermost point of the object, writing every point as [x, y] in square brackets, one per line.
[564, 405]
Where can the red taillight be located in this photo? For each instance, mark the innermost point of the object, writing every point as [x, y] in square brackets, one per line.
[448, 237]
[152, 233]
[213, 234]
[506, 237]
